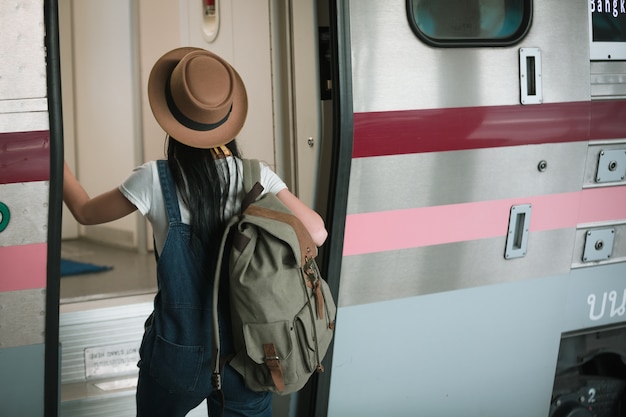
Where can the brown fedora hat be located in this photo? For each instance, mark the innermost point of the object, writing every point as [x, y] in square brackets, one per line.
[197, 97]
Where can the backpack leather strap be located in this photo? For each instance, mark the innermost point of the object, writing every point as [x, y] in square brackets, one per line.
[273, 363]
[251, 182]
[251, 173]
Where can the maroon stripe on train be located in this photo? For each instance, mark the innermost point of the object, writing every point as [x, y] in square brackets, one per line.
[437, 130]
[24, 156]
[608, 120]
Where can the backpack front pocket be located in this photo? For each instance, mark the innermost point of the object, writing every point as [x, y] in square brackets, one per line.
[314, 335]
[280, 334]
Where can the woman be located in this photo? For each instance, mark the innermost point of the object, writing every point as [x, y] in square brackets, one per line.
[201, 103]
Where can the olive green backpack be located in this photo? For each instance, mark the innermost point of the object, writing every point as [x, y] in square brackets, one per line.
[282, 311]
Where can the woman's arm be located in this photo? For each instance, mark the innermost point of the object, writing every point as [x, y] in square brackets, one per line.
[106, 207]
[311, 220]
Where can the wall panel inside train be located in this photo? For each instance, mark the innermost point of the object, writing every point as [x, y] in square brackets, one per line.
[481, 247]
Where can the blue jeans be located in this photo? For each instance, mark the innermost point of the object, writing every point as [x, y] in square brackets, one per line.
[155, 401]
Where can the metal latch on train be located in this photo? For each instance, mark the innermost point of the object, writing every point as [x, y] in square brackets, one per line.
[531, 86]
[598, 245]
[519, 228]
[611, 165]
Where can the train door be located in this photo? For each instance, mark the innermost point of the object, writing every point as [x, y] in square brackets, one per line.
[107, 52]
[30, 152]
[471, 152]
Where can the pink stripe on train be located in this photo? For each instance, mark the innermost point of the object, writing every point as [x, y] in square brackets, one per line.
[23, 267]
[428, 226]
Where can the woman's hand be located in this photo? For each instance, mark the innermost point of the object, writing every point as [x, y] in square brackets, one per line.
[312, 221]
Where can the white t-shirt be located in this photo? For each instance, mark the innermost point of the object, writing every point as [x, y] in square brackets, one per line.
[143, 189]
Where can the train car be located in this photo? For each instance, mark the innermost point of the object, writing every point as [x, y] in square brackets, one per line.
[482, 150]
[469, 158]
[30, 209]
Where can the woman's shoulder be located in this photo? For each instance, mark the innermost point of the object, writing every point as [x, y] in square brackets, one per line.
[270, 179]
[149, 165]
[147, 171]
[146, 167]
[143, 176]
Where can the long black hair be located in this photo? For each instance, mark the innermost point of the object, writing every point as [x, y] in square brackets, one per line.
[202, 178]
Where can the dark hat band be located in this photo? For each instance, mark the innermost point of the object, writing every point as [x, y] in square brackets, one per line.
[187, 122]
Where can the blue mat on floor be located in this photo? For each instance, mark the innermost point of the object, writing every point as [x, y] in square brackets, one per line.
[69, 267]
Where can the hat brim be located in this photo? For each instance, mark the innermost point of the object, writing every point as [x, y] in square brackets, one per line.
[222, 134]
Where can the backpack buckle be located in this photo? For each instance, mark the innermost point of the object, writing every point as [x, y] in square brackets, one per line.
[272, 360]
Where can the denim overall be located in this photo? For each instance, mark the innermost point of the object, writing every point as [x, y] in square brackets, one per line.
[175, 365]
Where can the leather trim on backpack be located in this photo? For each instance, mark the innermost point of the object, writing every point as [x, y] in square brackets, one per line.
[308, 250]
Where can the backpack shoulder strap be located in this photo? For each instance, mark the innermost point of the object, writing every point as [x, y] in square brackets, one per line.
[253, 189]
[251, 182]
[251, 173]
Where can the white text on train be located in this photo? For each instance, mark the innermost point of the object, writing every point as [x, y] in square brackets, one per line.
[616, 309]
[609, 6]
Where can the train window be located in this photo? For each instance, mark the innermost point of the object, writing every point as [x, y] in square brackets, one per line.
[458, 23]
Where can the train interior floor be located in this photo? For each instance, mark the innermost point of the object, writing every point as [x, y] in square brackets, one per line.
[132, 273]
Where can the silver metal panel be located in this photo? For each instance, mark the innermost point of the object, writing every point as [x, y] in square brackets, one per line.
[22, 317]
[618, 253]
[24, 106]
[97, 326]
[393, 70]
[432, 179]
[608, 79]
[121, 404]
[22, 52]
[593, 158]
[24, 122]
[28, 206]
[389, 275]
